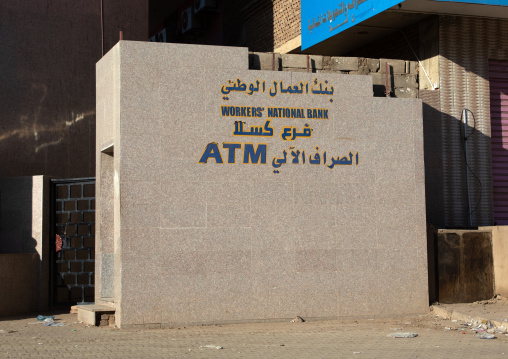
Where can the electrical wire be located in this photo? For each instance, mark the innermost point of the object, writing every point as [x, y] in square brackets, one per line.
[465, 138]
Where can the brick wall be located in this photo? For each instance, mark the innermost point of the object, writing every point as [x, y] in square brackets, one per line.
[286, 24]
[270, 24]
[402, 75]
[75, 225]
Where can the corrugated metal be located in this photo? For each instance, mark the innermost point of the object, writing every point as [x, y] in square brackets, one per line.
[498, 76]
[466, 44]
[433, 152]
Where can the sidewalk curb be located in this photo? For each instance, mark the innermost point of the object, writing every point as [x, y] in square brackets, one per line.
[462, 317]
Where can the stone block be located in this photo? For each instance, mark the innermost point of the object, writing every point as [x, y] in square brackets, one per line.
[405, 81]
[327, 62]
[291, 61]
[362, 70]
[394, 66]
[264, 61]
[373, 65]
[289, 69]
[295, 61]
[406, 92]
[412, 67]
[345, 63]
[380, 79]
[464, 284]
[316, 62]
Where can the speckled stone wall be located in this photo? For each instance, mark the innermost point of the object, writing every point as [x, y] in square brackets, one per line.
[192, 240]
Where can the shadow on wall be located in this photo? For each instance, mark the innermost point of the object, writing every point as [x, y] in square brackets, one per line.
[460, 262]
[464, 82]
[454, 188]
[20, 260]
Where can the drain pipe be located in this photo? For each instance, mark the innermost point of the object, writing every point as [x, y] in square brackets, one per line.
[102, 27]
[464, 118]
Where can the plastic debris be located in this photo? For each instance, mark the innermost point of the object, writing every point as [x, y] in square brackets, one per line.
[484, 335]
[402, 335]
[297, 319]
[42, 318]
[211, 346]
[501, 329]
[49, 322]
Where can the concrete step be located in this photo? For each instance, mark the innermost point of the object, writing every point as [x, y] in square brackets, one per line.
[97, 315]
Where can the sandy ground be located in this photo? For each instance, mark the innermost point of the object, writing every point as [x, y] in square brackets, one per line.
[367, 338]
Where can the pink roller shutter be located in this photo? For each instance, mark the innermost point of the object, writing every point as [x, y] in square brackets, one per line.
[498, 76]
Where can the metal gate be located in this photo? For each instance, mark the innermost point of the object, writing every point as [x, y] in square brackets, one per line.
[73, 247]
[498, 76]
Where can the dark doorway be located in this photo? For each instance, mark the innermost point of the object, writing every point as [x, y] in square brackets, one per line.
[73, 241]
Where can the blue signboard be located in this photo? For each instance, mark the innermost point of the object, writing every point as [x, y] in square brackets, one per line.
[322, 19]
[484, 2]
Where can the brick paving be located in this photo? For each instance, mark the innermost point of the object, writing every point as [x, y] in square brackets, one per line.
[313, 339]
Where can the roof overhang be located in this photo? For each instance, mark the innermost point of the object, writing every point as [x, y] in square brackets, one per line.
[392, 20]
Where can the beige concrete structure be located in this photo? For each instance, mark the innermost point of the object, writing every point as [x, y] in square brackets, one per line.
[24, 238]
[18, 280]
[499, 250]
[312, 206]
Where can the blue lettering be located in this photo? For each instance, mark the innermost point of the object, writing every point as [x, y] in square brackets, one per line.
[231, 150]
[211, 150]
[225, 110]
[252, 156]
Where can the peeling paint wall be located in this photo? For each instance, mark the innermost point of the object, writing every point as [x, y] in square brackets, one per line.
[49, 50]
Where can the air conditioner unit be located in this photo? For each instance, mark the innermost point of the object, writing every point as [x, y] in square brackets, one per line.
[189, 21]
[203, 5]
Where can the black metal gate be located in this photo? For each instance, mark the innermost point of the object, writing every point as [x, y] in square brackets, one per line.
[73, 241]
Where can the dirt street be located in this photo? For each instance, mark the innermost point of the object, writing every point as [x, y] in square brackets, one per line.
[366, 338]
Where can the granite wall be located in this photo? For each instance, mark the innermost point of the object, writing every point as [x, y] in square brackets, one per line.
[222, 198]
